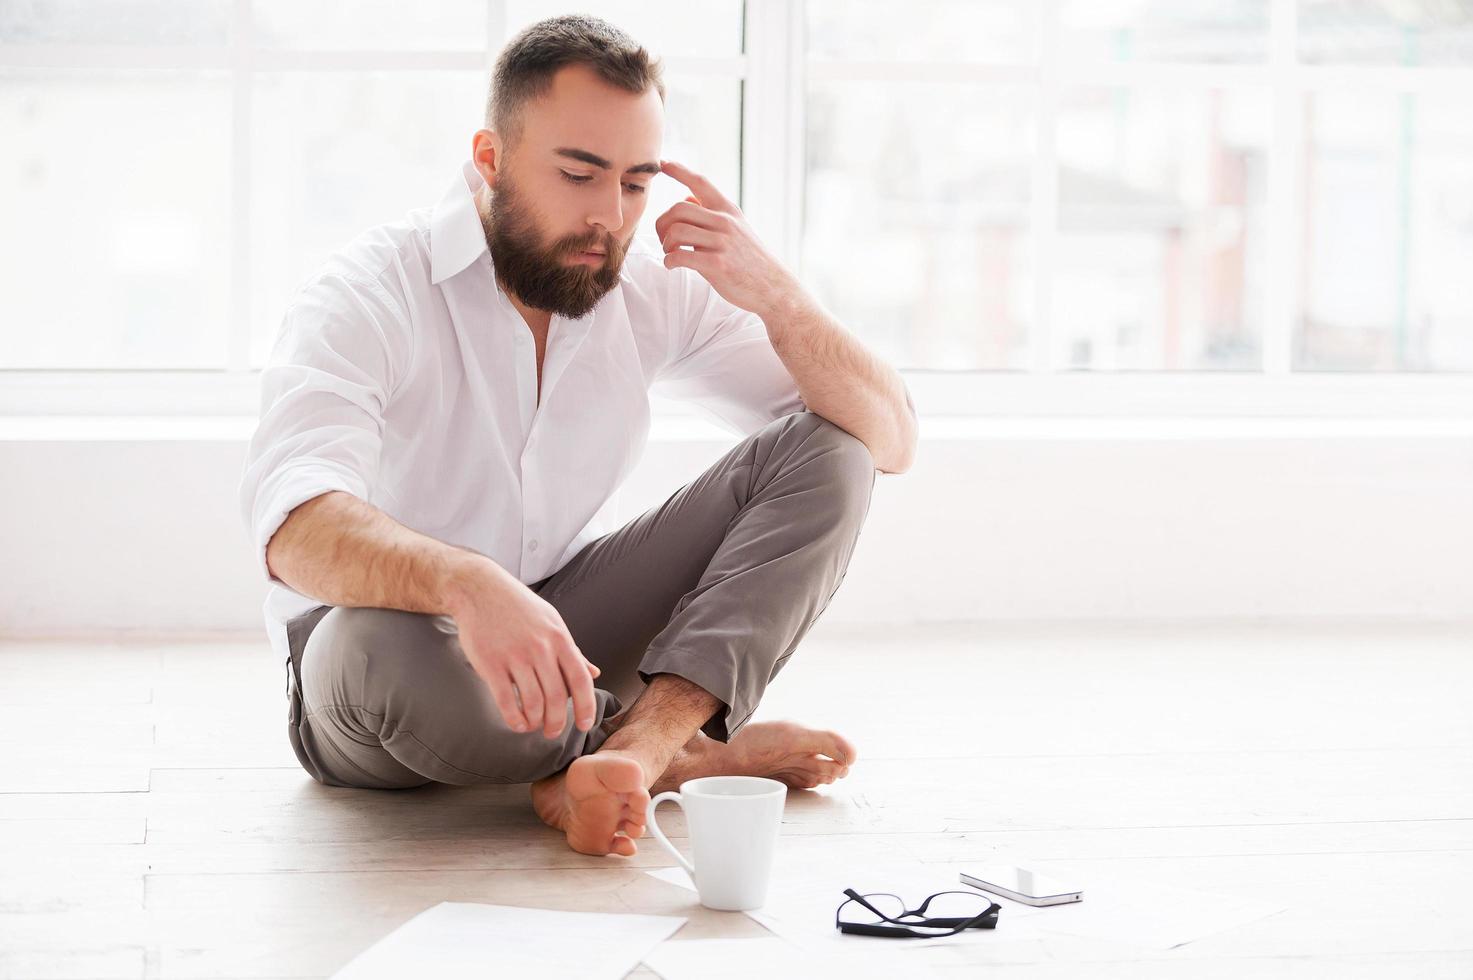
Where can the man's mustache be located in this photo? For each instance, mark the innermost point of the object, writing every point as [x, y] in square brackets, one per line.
[609, 246]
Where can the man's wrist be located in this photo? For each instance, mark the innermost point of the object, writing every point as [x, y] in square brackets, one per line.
[782, 306]
[468, 575]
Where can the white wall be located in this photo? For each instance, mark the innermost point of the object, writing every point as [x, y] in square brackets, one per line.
[123, 528]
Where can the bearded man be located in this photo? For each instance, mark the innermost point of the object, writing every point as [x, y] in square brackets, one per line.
[449, 407]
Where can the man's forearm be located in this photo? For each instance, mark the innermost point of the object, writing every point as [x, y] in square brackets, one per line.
[343, 551]
[842, 380]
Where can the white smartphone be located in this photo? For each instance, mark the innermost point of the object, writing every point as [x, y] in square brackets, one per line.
[1022, 885]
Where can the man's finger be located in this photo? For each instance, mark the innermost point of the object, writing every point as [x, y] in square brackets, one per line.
[703, 188]
[682, 258]
[682, 233]
[554, 697]
[580, 685]
[588, 665]
[506, 702]
[530, 690]
[689, 213]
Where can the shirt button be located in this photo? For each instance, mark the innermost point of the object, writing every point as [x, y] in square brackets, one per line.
[532, 545]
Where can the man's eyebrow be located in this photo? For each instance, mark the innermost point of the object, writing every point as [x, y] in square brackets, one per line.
[598, 161]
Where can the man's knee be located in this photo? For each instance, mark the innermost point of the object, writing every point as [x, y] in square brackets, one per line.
[846, 459]
[431, 709]
[352, 640]
[381, 670]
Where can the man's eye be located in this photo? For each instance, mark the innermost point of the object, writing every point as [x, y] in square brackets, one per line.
[585, 178]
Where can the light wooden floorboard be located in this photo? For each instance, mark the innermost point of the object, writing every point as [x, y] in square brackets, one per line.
[154, 823]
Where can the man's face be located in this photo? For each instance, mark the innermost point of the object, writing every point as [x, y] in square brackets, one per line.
[576, 182]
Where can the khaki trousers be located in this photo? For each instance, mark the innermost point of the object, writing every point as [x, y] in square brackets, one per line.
[717, 585]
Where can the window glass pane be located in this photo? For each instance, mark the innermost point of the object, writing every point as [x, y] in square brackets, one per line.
[135, 22]
[703, 130]
[376, 25]
[916, 218]
[1179, 31]
[336, 153]
[949, 30]
[1408, 32]
[1160, 257]
[1388, 233]
[115, 247]
[668, 28]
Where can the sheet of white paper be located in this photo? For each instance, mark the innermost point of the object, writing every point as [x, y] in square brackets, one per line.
[1142, 913]
[770, 956]
[464, 939]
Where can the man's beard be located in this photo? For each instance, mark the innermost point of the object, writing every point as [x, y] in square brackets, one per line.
[538, 276]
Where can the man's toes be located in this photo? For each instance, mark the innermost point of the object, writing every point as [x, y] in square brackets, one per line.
[850, 753]
[831, 744]
[827, 771]
[586, 844]
[843, 749]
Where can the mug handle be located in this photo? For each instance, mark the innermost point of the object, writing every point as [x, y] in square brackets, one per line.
[660, 834]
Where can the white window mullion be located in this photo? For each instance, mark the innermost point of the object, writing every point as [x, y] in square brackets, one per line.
[1284, 207]
[495, 36]
[117, 57]
[1043, 340]
[238, 325]
[772, 125]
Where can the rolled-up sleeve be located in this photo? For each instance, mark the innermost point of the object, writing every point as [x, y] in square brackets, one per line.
[343, 345]
[722, 361]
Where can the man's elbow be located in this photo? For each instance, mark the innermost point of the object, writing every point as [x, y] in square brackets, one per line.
[901, 453]
[896, 462]
[277, 562]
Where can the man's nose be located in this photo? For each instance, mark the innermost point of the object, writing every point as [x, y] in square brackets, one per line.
[610, 212]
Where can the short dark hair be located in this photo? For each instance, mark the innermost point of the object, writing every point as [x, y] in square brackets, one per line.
[525, 68]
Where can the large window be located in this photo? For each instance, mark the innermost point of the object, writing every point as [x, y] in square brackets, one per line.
[1201, 185]
[174, 168]
[1235, 187]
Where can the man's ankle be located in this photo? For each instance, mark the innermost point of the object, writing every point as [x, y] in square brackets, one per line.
[667, 714]
[612, 723]
[691, 760]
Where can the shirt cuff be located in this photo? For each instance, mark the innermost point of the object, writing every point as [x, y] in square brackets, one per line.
[289, 488]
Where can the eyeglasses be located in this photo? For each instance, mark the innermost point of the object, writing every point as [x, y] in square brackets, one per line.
[951, 912]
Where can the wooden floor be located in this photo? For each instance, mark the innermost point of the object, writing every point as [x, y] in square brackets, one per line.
[154, 823]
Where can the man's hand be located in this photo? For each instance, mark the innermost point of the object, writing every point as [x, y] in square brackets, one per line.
[512, 636]
[727, 252]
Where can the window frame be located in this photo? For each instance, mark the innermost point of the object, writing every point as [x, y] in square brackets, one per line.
[774, 69]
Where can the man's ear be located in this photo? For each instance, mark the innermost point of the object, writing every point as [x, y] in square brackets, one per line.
[486, 153]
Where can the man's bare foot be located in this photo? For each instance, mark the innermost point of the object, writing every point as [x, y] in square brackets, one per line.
[594, 799]
[781, 750]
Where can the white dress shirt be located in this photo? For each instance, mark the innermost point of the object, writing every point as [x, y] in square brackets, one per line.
[403, 375]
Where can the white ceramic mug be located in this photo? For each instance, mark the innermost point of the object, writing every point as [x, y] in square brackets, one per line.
[733, 823]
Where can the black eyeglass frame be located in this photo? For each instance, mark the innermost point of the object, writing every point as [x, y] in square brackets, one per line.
[952, 925]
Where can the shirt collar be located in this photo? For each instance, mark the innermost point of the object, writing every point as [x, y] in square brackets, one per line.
[457, 237]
